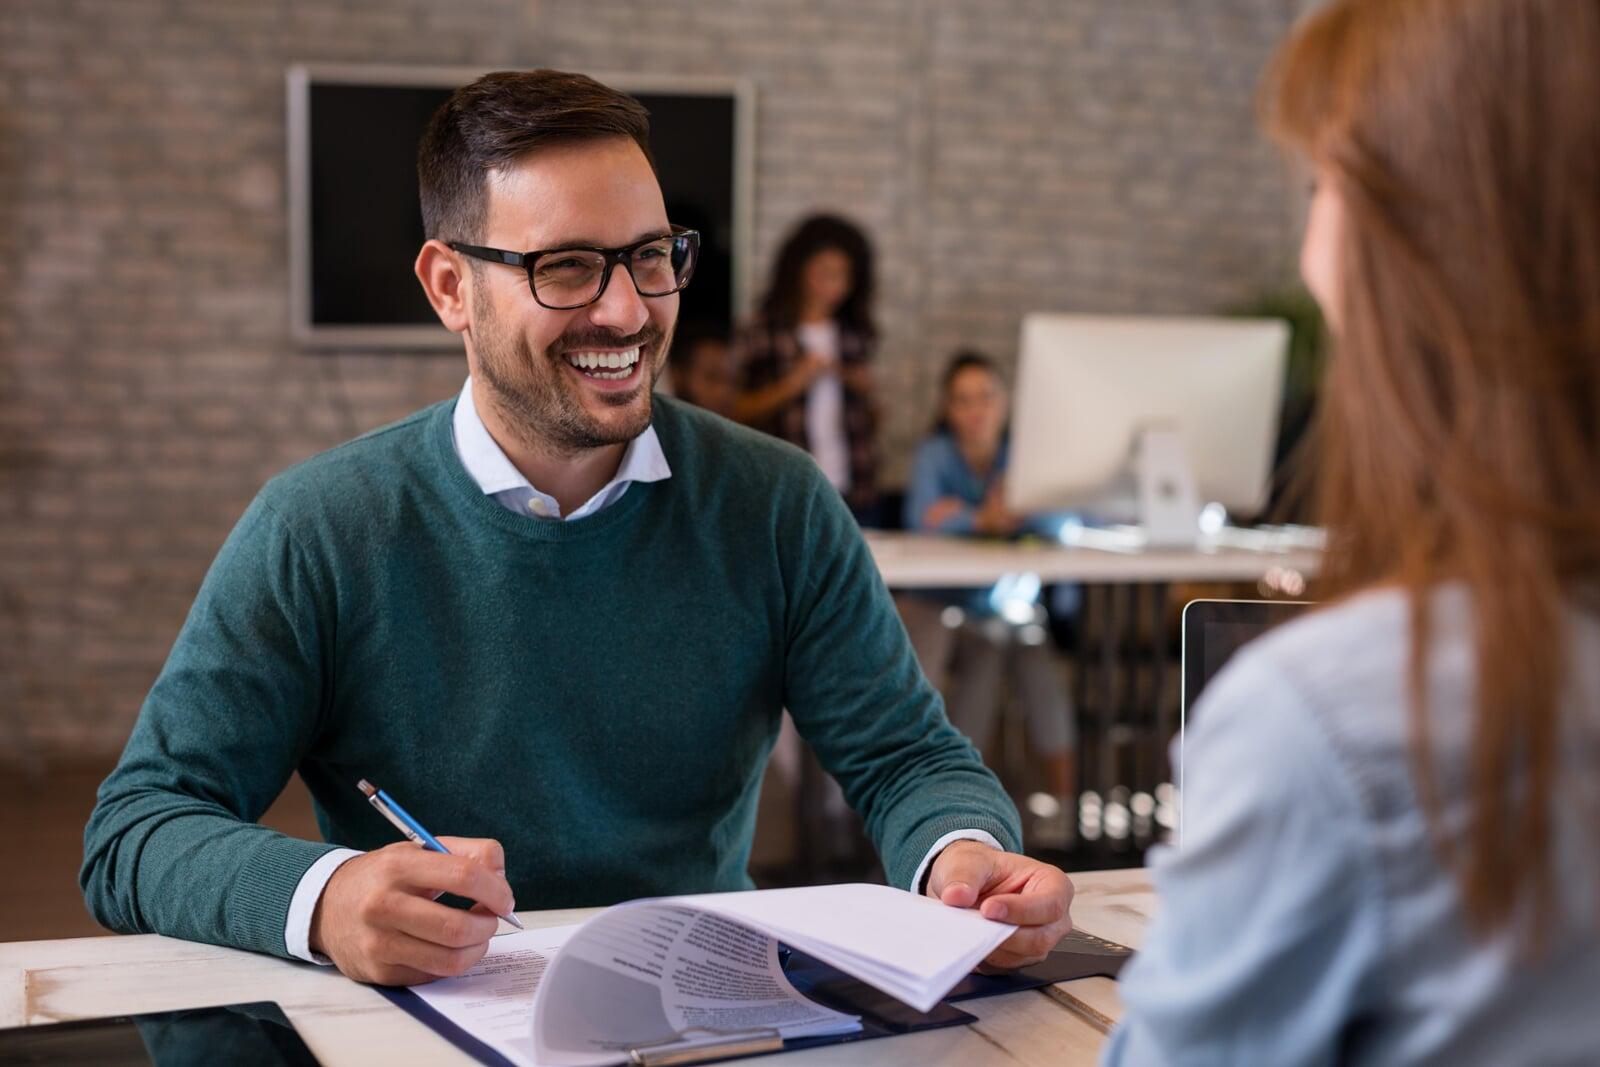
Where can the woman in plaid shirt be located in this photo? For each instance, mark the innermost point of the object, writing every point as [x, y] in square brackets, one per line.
[805, 359]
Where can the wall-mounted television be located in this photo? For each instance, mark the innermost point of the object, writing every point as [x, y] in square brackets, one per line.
[355, 225]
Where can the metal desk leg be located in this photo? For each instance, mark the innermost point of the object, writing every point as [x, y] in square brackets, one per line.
[1110, 634]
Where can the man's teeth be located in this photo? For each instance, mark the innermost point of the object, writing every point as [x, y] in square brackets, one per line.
[610, 366]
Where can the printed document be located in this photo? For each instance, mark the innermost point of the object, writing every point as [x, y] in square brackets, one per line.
[677, 973]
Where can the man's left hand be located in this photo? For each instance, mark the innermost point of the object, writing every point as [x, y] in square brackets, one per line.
[1033, 896]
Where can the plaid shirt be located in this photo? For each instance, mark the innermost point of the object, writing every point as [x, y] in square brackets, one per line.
[767, 354]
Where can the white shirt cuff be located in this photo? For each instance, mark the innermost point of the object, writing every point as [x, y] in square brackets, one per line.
[944, 842]
[297, 931]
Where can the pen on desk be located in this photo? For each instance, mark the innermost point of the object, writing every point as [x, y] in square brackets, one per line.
[390, 809]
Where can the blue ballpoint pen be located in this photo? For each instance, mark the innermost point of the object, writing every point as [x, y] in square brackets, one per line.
[390, 809]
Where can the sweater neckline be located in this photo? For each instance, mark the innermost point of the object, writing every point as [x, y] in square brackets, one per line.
[528, 528]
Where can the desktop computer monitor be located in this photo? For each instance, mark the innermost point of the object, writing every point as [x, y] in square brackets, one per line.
[1141, 418]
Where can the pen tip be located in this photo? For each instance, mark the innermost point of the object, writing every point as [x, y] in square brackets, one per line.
[366, 787]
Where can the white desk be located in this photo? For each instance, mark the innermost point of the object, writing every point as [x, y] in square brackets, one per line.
[345, 1023]
[1124, 702]
[922, 561]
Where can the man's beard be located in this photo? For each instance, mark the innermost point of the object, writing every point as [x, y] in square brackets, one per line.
[542, 405]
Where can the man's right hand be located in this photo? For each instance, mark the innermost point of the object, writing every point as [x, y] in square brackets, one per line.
[379, 919]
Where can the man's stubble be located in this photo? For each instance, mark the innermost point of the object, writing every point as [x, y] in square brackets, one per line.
[540, 404]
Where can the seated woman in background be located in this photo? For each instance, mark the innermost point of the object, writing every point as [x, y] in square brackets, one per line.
[957, 487]
[702, 367]
[805, 361]
[1391, 835]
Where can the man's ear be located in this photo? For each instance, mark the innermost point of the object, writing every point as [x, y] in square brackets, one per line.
[442, 278]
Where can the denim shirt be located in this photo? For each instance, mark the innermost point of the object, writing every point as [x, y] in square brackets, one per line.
[1306, 917]
[938, 470]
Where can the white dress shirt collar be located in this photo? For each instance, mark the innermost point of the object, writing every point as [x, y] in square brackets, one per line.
[498, 477]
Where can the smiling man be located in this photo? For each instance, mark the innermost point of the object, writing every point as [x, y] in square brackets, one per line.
[557, 615]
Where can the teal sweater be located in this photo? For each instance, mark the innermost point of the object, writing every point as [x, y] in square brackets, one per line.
[599, 695]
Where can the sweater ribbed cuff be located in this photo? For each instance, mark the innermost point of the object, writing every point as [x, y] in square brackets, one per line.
[258, 910]
[901, 868]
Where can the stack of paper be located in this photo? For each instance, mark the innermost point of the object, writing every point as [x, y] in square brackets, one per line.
[913, 948]
[691, 972]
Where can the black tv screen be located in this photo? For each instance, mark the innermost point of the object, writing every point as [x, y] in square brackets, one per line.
[358, 226]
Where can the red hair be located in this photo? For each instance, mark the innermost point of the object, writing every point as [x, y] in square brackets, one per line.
[1459, 437]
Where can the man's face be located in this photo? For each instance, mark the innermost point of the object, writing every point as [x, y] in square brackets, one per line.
[601, 194]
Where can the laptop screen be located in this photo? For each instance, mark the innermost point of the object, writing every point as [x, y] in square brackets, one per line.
[1213, 630]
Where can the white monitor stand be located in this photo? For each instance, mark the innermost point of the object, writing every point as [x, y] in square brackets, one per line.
[1169, 500]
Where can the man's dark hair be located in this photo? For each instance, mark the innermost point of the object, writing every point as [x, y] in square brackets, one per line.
[498, 119]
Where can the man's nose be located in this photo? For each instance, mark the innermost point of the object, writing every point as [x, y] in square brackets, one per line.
[620, 307]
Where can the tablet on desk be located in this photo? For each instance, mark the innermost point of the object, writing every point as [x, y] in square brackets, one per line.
[240, 1035]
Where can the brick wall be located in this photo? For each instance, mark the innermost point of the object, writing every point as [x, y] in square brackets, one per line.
[1007, 154]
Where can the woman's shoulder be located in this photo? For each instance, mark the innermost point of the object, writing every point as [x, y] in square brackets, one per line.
[1312, 717]
[1359, 647]
[1361, 637]
[1343, 671]
[1353, 653]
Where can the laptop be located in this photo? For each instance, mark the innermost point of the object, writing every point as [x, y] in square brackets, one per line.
[1213, 630]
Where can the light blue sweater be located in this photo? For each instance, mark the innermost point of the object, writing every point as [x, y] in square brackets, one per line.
[1306, 918]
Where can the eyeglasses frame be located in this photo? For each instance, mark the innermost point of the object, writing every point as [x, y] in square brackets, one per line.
[613, 257]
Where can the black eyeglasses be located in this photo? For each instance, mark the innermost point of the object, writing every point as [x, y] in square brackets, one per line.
[567, 278]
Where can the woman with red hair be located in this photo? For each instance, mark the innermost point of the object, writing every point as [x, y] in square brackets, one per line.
[1391, 845]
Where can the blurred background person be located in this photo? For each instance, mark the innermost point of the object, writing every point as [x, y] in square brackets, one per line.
[1390, 851]
[805, 359]
[702, 369]
[957, 487]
